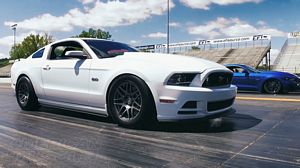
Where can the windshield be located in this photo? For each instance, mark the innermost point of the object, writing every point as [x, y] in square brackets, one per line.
[108, 49]
[252, 69]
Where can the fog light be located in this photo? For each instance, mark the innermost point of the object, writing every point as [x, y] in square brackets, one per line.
[166, 101]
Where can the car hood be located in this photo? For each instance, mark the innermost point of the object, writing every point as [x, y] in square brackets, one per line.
[169, 61]
[283, 74]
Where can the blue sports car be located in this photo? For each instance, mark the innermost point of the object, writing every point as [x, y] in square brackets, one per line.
[247, 78]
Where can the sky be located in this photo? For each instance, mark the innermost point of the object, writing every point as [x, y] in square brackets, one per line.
[142, 22]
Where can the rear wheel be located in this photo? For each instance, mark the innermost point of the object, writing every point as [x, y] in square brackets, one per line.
[130, 102]
[25, 94]
[272, 86]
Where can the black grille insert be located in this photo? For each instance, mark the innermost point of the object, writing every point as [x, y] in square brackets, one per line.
[217, 105]
[190, 105]
[218, 79]
[187, 112]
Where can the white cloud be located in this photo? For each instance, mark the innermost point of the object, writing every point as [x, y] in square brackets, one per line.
[174, 24]
[156, 35]
[133, 42]
[3, 56]
[100, 15]
[86, 1]
[222, 27]
[205, 4]
[45, 22]
[261, 23]
[6, 41]
[4, 50]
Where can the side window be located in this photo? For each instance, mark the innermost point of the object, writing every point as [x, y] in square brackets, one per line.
[59, 50]
[38, 54]
[237, 69]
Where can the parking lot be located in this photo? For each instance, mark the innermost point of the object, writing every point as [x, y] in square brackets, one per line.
[263, 133]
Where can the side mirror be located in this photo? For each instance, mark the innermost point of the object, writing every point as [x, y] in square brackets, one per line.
[246, 73]
[76, 54]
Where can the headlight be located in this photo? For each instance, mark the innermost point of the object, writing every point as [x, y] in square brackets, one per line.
[181, 79]
[290, 79]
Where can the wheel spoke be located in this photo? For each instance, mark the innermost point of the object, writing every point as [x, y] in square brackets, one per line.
[23, 99]
[122, 113]
[136, 103]
[134, 93]
[128, 114]
[136, 109]
[132, 112]
[120, 89]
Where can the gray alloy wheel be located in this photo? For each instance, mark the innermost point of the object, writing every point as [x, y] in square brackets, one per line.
[272, 86]
[25, 94]
[130, 102]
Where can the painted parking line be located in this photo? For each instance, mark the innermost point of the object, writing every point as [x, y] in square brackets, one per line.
[268, 99]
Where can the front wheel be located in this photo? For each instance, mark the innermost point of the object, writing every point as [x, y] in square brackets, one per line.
[130, 102]
[272, 86]
[25, 94]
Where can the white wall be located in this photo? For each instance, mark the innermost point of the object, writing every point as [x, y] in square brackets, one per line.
[4, 80]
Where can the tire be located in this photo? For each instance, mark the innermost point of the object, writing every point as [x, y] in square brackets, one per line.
[25, 95]
[130, 102]
[272, 86]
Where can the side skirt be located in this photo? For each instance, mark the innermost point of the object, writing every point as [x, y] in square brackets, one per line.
[74, 107]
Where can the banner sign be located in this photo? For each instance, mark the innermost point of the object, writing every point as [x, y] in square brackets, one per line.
[294, 35]
[180, 44]
[146, 47]
[261, 37]
[215, 41]
[239, 39]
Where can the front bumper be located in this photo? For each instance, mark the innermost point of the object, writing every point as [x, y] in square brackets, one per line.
[176, 103]
[292, 85]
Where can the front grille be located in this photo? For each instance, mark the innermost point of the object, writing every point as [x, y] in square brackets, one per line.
[218, 79]
[218, 105]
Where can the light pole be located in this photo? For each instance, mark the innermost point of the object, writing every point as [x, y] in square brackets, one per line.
[168, 28]
[14, 28]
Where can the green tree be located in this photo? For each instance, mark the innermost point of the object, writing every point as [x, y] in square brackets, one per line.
[4, 62]
[195, 48]
[29, 45]
[92, 33]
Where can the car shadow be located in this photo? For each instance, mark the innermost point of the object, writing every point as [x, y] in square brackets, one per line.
[230, 123]
[74, 114]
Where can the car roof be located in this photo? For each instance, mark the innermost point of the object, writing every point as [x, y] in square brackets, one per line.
[240, 65]
[76, 39]
[85, 38]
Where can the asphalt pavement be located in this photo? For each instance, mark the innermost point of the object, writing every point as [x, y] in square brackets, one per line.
[263, 133]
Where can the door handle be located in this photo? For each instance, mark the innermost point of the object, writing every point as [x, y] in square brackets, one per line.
[47, 68]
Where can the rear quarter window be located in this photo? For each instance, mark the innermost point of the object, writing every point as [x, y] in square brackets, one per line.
[38, 54]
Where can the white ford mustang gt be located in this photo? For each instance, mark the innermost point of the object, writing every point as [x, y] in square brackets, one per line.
[113, 79]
